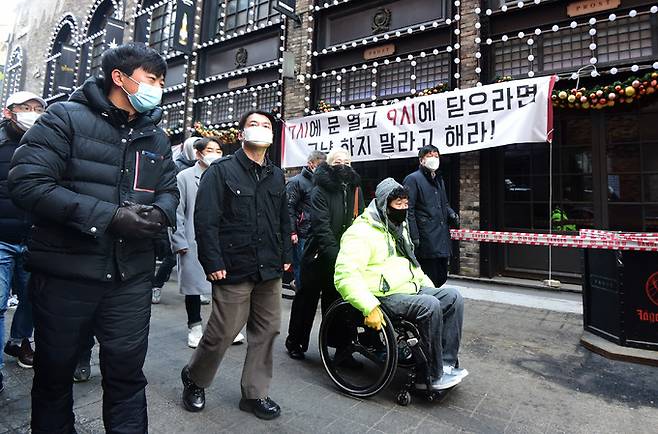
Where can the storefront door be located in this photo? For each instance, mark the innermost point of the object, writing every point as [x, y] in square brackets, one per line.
[605, 176]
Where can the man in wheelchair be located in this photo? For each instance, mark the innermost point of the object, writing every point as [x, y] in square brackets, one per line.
[376, 266]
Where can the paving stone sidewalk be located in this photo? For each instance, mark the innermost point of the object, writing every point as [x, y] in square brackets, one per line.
[528, 374]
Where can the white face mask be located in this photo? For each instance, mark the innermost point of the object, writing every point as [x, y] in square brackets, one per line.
[208, 159]
[258, 136]
[25, 120]
[432, 163]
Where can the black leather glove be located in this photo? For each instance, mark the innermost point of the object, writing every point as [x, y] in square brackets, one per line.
[128, 223]
[155, 215]
[454, 220]
[137, 208]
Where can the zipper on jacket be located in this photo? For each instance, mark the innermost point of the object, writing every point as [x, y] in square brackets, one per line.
[123, 164]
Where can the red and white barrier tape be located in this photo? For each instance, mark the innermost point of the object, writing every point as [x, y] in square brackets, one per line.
[586, 239]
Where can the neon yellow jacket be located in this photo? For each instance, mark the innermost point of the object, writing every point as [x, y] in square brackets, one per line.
[368, 265]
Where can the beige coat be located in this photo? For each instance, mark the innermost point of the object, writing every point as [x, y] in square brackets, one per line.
[191, 278]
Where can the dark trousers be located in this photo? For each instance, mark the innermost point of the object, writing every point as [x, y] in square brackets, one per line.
[66, 314]
[163, 251]
[436, 269]
[317, 284]
[164, 271]
[193, 309]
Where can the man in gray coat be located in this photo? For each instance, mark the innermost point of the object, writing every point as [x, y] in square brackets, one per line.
[430, 216]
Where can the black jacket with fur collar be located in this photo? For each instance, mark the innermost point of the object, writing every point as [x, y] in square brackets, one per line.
[333, 201]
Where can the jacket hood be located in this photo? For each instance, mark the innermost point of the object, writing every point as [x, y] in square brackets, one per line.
[396, 236]
[382, 192]
[92, 94]
[327, 176]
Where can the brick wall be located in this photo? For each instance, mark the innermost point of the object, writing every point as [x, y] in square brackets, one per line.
[296, 42]
[469, 176]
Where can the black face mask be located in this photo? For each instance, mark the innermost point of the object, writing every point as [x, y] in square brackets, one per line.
[343, 172]
[396, 216]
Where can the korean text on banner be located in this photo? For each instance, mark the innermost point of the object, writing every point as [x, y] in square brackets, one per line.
[518, 111]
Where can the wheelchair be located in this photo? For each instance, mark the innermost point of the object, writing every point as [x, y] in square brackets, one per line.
[368, 359]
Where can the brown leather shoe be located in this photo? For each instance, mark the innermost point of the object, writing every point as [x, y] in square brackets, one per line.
[23, 353]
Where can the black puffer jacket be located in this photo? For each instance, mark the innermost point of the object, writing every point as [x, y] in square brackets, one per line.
[75, 166]
[241, 220]
[429, 214]
[14, 222]
[332, 211]
[299, 202]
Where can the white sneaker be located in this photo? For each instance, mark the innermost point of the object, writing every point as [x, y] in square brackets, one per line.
[458, 372]
[156, 295]
[194, 336]
[205, 299]
[445, 382]
[12, 303]
[239, 339]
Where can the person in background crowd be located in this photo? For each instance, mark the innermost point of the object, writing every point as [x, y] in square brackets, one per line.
[192, 281]
[336, 200]
[96, 174]
[242, 229]
[185, 159]
[187, 156]
[376, 265]
[299, 206]
[430, 216]
[21, 110]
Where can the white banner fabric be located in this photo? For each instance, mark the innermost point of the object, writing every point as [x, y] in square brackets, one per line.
[518, 111]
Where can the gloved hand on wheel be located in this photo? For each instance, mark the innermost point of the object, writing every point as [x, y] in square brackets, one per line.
[375, 319]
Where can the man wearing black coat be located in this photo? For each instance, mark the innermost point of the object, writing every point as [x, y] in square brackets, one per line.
[242, 230]
[97, 175]
[20, 112]
[299, 206]
[430, 216]
[336, 199]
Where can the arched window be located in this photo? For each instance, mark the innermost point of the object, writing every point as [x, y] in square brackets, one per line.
[104, 30]
[154, 24]
[60, 63]
[13, 74]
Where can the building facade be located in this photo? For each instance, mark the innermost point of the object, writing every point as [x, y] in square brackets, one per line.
[600, 171]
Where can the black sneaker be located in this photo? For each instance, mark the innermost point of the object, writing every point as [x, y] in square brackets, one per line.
[82, 372]
[2, 385]
[23, 353]
[263, 408]
[194, 397]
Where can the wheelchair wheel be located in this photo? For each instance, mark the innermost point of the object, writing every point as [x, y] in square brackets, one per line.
[359, 360]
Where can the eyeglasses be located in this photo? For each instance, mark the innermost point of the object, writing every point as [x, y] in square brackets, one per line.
[26, 108]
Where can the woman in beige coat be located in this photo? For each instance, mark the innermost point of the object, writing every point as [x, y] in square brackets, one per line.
[192, 281]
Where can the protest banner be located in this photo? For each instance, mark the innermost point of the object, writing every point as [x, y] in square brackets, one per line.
[511, 112]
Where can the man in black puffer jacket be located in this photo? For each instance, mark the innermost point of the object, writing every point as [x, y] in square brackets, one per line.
[97, 175]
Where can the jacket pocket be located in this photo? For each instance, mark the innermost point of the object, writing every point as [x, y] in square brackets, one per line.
[241, 200]
[148, 169]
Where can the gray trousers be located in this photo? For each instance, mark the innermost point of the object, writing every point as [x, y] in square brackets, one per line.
[259, 306]
[438, 313]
